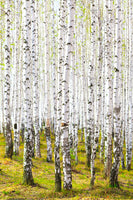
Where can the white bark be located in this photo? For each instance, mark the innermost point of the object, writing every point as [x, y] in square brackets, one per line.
[129, 131]
[47, 85]
[34, 27]
[117, 108]
[65, 103]
[108, 87]
[7, 114]
[27, 173]
[92, 85]
[17, 44]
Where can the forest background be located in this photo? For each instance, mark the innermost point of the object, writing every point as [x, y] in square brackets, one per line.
[66, 75]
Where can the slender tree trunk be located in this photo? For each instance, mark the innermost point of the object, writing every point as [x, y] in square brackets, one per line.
[65, 109]
[7, 114]
[115, 167]
[47, 85]
[59, 94]
[54, 67]
[27, 166]
[108, 95]
[129, 136]
[93, 125]
[34, 27]
[17, 43]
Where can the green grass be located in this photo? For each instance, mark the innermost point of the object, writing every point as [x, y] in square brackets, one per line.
[11, 173]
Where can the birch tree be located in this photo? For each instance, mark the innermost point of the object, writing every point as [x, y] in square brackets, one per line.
[47, 85]
[2, 36]
[17, 44]
[65, 104]
[129, 82]
[34, 26]
[61, 38]
[93, 126]
[7, 114]
[54, 81]
[117, 66]
[27, 166]
[108, 87]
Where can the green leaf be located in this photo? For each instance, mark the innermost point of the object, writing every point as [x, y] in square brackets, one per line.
[2, 64]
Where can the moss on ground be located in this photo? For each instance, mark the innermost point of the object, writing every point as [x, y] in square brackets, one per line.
[11, 172]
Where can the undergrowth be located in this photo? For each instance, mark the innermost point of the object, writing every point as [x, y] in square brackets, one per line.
[11, 173]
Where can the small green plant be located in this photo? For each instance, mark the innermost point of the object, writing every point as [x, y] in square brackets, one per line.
[17, 192]
[72, 154]
[5, 192]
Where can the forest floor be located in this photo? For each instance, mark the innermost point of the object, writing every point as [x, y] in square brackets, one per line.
[11, 173]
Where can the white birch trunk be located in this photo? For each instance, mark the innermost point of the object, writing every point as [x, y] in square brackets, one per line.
[17, 44]
[27, 166]
[61, 58]
[65, 108]
[108, 87]
[54, 67]
[92, 100]
[7, 114]
[129, 90]
[117, 66]
[34, 26]
[47, 85]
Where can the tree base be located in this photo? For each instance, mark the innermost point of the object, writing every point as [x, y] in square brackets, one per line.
[114, 178]
[9, 151]
[57, 182]
[67, 186]
[49, 146]
[128, 167]
[28, 179]
[115, 185]
[88, 161]
[92, 182]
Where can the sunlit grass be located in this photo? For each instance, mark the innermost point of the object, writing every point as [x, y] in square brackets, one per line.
[11, 174]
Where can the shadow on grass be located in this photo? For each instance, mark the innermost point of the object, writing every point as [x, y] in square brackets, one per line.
[16, 199]
[114, 192]
[4, 174]
[39, 186]
[18, 159]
